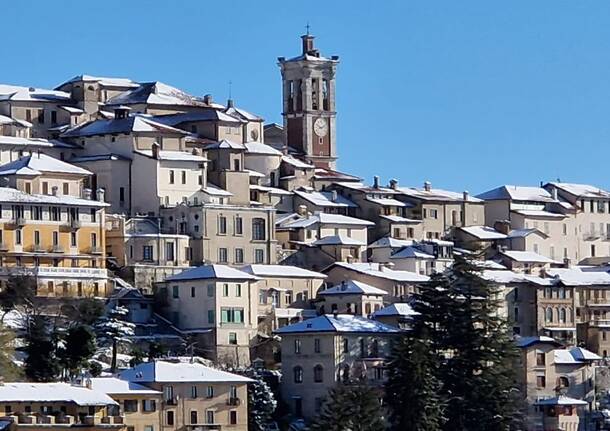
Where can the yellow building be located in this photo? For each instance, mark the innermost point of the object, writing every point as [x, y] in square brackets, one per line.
[43, 406]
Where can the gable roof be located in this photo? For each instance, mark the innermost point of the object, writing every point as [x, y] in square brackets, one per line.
[164, 371]
[254, 147]
[26, 94]
[539, 339]
[381, 271]
[526, 256]
[260, 270]
[114, 386]
[352, 287]
[388, 241]
[581, 190]
[102, 80]
[411, 252]
[517, 193]
[36, 164]
[195, 116]
[132, 123]
[53, 392]
[338, 240]
[325, 199]
[156, 93]
[437, 195]
[342, 323]
[8, 194]
[211, 272]
[397, 309]
[483, 233]
[325, 218]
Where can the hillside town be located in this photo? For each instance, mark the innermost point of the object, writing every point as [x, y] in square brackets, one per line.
[215, 255]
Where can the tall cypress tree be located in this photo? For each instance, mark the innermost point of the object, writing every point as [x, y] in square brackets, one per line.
[351, 406]
[41, 363]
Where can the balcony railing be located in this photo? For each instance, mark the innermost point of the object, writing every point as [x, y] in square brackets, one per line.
[55, 271]
[233, 401]
[71, 225]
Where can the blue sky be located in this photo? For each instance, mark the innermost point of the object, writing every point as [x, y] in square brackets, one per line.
[468, 94]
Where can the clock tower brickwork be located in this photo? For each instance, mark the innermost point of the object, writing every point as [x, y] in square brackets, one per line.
[308, 88]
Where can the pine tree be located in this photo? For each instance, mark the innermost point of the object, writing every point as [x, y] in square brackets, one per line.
[41, 363]
[8, 370]
[79, 347]
[112, 330]
[352, 406]
[412, 389]
[261, 402]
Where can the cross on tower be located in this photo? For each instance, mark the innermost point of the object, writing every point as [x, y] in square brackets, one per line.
[307, 27]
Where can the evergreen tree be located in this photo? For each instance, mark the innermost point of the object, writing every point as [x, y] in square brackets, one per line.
[79, 347]
[112, 330]
[19, 294]
[41, 363]
[353, 406]
[412, 389]
[261, 402]
[8, 370]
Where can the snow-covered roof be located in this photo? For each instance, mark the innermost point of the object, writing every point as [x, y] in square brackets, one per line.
[582, 190]
[517, 193]
[345, 323]
[130, 124]
[156, 93]
[241, 113]
[280, 271]
[353, 287]
[53, 392]
[114, 386]
[526, 256]
[97, 158]
[38, 163]
[381, 271]
[390, 242]
[582, 354]
[34, 142]
[529, 341]
[226, 144]
[211, 272]
[213, 190]
[521, 233]
[437, 195]
[163, 371]
[325, 199]
[560, 400]
[411, 252]
[13, 195]
[27, 94]
[296, 162]
[399, 219]
[484, 233]
[196, 116]
[338, 240]
[540, 213]
[508, 277]
[325, 218]
[577, 277]
[360, 186]
[14, 121]
[260, 148]
[396, 309]
[386, 202]
[270, 190]
[103, 81]
[176, 156]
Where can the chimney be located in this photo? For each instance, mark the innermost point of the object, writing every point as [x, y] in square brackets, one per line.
[376, 181]
[121, 112]
[333, 196]
[502, 226]
[567, 262]
[554, 193]
[54, 190]
[100, 194]
[302, 210]
[466, 195]
[207, 99]
[393, 183]
[427, 186]
[86, 193]
[155, 150]
[343, 285]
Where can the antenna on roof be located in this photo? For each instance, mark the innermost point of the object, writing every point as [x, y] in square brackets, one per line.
[230, 85]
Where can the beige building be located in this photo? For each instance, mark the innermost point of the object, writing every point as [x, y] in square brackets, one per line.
[43, 406]
[218, 305]
[194, 396]
[319, 353]
[351, 297]
[557, 383]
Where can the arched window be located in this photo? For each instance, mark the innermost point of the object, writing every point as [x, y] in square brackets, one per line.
[563, 382]
[318, 374]
[298, 374]
[258, 229]
[562, 315]
[548, 316]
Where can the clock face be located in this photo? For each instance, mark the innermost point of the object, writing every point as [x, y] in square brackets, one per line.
[320, 127]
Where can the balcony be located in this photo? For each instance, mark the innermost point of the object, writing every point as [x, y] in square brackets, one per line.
[592, 236]
[71, 225]
[599, 302]
[56, 248]
[233, 401]
[95, 250]
[173, 401]
[19, 221]
[56, 271]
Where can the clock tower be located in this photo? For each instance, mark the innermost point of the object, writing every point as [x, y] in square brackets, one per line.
[308, 87]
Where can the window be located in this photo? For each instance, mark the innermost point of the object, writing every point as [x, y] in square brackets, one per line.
[222, 255]
[122, 194]
[233, 417]
[175, 292]
[193, 417]
[193, 290]
[149, 405]
[225, 289]
[211, 317]
[540, 381]
[318, 374]
[171, 177]
[259, 255]
[316, 345]
[516, 312]
[130, 406]
[170, 418]
[540, 359]
[55, 238]
[18, 235]
[149, 428]
[211, 289]
[562, 315]
[93, 240]
[233, 338]
[37, 238]
[239, 225]
[258, 229]
[239, 255]
[232, 315]
[238, 290]
[548, 315]
[183, 177]
[563, 382]
[345, 345]
[222, 225]
[28, 115]
[41, 116]
[297, 374]
[209, 392]
[54, 117]
[147, 252]
[169, 251]
[297, 346]
[72, 239]
[209, 416]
